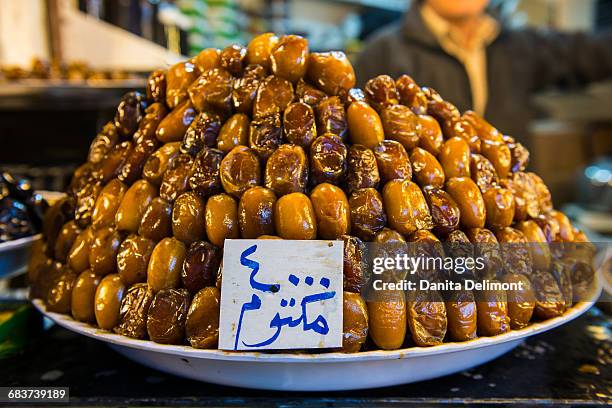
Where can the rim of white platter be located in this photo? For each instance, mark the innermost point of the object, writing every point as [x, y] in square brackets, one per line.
[335, 357]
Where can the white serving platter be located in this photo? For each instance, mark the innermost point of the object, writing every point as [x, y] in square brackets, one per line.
[15, 255]
[316, 372]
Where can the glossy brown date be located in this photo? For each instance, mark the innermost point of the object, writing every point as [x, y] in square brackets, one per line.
[487, 247]
[65, 240]
[444, 211]
[202, 325]
[265, 136]
[274, 95]
[156, 165]
[520, 302]
[331, 71]
[107, 204]
[245, 88]
[462, 316]
[294, 217]
[133, 259]
[233, 58]
[492, 308]
[525, 196]
[393, 162]
[364, 125]
[368, 215]
[354, 268]
[188, 218]
[287, 170]
[542, 192]
[463, 129]
[256, 212]
[131, 170]
[156, 222]
[328, 156]
[299, 124]
[354, 322]
[112, 163]
[389, 236]
[133, 311]
[212, 91]
[156, 86]
[443, 111]
[538, 246]
[260, 49]
[401, 124]
[82, 302]
[515, 250]
[498, 154]
[289, 57]
[174, 125]
[201, 133]
[566, 231]
[234, 132]
[518, 153]
[176, 178]
[411, 95]
[221, 219]
[133, 205]
[380, 92]
[331, 117]
[430, 137]
[482, 172]
[362, 168]
[406, 207]
[85, 201]
[240, 171]
[154, 114]
[426, 168]
[387, 320]
[454, 157]
[468, 198]
[129, 113]
[205, 178]
[484, 129]
[178, 78]
[549, 225]
[55, 217]
[104, 249]
[207, 59]
[107, 301]
[549, 301]
[426, 318]
[58, 289]
[308, 94]
[201, 265]
[78, 256]
[331, 210]
[102, 144]
[167, 315]
[499, 205]
[166, 264]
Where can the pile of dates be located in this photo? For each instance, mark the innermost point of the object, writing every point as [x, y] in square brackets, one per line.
[271, 141]
[21, 209]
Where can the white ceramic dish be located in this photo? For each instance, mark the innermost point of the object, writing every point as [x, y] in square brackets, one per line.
[14, 256]
[315, 372]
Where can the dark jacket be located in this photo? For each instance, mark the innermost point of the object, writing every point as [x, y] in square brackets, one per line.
[519, 63]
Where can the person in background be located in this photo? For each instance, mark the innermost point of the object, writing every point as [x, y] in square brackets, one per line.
[476, 63]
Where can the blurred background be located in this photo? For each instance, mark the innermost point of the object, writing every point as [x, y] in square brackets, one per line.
[65, 63]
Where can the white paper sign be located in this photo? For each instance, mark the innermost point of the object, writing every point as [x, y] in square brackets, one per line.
[281, 294]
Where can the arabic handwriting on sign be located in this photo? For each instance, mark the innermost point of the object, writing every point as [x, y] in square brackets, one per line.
[318, 325]
[255, 302]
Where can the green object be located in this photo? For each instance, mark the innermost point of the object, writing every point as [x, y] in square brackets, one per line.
[18, 324]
